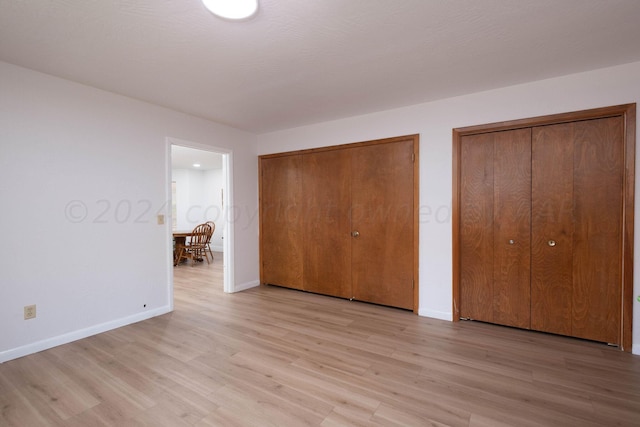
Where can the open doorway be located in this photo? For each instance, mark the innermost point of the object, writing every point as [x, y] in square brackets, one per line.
[200, 190]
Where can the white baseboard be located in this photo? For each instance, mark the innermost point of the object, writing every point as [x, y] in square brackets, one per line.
[635, 349]
[442, 315]
[244, 286]
[48, 343]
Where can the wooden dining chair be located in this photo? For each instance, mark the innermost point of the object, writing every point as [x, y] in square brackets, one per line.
[196, 247]
[212, 225]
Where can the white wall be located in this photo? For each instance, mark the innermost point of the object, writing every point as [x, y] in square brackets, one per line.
[183, 198]
[213, 198]
[199, 199]
[83, 174]
[434, 122]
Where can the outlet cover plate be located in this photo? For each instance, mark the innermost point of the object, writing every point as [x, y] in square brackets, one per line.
[29, 312]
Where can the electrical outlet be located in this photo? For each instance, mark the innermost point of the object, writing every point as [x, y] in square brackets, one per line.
[29, 311]
[160, 219]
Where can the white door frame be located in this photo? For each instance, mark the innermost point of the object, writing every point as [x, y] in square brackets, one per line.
[228, 232]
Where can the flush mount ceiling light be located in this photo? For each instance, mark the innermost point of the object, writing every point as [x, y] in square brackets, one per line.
[232, 9]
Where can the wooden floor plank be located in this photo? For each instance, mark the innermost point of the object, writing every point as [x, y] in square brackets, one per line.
[275, 357]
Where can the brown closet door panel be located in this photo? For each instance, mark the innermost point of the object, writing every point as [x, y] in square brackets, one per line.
[552, 229]
[382, 214]
[281, 221]
[512, 228]
[476, 227]
[598, 186]
[327, 223]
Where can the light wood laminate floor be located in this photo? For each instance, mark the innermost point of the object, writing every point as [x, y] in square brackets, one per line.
[276, 357]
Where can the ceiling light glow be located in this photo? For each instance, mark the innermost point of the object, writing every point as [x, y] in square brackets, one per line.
[196, 165]
[232, 9]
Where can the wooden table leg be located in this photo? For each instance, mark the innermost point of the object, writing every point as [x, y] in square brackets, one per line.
[179, 243]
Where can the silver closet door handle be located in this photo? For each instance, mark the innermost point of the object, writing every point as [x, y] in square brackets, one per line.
[551, 243]
[355, 233]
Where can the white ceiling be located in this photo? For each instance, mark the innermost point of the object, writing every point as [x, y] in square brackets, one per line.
[304, 61]
[185, 158]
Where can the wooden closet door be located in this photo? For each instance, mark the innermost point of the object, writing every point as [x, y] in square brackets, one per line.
[578, 280]
[476, 227]
[495, 204]
[382, 214]
[512, 228]
[597, 258]
[582, 204]
[552, 228]
[568, 274]
[327, 222]
[281, 221]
